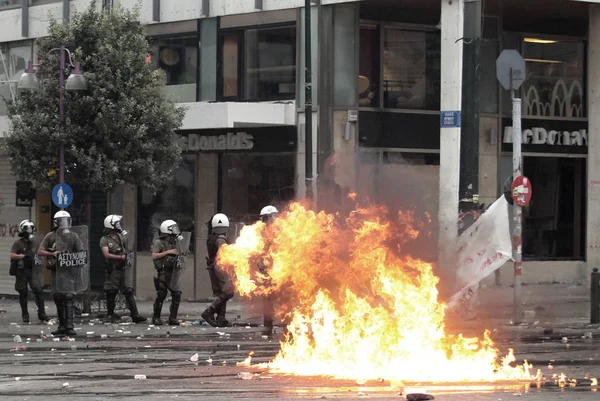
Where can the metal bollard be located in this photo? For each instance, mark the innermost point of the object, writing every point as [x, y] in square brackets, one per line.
[595, 297]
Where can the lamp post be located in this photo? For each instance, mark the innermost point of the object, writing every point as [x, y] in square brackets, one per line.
[75, 82]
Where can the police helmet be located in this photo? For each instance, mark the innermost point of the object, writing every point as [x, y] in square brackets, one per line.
[219, 220]
[169, 227]
[26, 227]
[62, 219]
[268, 210]
[114, 222]
[267, 214]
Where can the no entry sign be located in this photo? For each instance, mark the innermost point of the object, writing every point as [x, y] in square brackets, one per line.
[522, 190]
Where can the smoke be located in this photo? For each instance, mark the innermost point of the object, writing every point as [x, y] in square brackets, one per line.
[407, 183]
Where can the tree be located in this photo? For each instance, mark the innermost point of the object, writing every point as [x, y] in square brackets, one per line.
[121, 130]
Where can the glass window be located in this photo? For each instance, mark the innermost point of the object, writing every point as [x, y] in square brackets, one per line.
[251, 181]
[488, 85]
[231, 44]
[554, 222]
[411, 69]
[40, 2]
[555, 78]
[177, 59]
[368, 70]
[12, 65]
[175, 201]
[8, 3]
[270, 64]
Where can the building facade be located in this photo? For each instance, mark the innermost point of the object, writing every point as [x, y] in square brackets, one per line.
[238, 67]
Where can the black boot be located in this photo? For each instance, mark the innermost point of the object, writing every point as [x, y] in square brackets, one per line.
[41, 309]
[175, 301]
[131, 304]
[221, 319]
[111, 305]
[69, 317]
[156, 320]
[209, 316]
[23, 303]
[60, 314]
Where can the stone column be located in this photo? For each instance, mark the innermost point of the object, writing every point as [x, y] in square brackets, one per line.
[206, 207]
[593, 161]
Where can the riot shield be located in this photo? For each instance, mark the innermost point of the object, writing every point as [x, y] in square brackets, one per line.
[130, 266]
[183, 248]
[37, 274]
[72, 260]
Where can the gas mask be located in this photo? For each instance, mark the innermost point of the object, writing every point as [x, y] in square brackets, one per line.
[28, 232]
[119, 228]
[268, 218]
[176, 233]
[63, 222]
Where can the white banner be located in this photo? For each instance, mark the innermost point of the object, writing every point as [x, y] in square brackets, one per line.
[483, 248]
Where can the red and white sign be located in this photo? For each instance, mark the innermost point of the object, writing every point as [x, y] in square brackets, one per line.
[522, 190]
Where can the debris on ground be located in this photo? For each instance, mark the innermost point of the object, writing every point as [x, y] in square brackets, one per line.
[139, 377]
[419, 397]
[247, 361]
[17, 339]
[194, 358]
[65, 385]
[245, 375]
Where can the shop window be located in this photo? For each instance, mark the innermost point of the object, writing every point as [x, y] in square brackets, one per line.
[41, 2]
[175, 201]
[555, 84]
[9, 3]
[249, 182]
[411, 69]
[554, 223]
[177, 60]
[258, 64]
[368, 70]
[14, 59]
[488, 85]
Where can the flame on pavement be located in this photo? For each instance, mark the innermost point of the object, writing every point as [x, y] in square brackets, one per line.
[356, 305]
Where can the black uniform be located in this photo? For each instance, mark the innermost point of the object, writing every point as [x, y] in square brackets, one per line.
[24, 277]
[222, 285]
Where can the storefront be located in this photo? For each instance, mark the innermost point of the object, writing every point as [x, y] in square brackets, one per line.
[398, 124]
[554, 159]
[236, 171]
[11, 214]
[554, 145]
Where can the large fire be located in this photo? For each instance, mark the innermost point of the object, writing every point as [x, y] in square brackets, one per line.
[356, 306]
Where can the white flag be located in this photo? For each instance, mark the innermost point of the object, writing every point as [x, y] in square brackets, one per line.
[483, 248]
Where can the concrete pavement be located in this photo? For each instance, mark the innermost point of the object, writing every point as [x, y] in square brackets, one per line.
[102, 362]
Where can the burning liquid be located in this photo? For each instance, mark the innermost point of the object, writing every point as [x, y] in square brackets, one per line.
[356, 306]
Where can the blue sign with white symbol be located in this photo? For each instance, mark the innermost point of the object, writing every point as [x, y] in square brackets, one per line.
[450, 119]
[62, 196]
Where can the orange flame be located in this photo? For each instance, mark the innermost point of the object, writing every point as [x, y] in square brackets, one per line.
[356, 305]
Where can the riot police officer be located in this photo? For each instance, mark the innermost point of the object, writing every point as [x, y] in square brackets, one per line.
[62, 300]
[222, 285]
[114, 249]
[23, 258]
[267, 216]
[164, 255]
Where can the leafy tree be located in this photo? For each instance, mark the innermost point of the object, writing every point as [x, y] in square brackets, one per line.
[121, 130]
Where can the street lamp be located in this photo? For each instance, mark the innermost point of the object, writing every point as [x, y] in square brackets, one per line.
[75, 82]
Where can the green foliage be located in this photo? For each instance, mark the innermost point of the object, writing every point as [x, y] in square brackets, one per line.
[121, 130]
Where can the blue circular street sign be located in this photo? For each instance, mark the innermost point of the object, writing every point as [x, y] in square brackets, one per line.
[62, 195]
